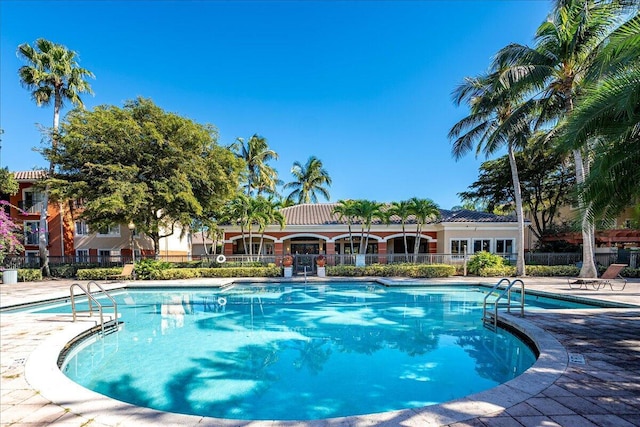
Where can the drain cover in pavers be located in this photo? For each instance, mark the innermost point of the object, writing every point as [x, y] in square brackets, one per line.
[576, 358]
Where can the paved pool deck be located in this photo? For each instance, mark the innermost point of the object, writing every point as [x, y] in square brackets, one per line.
[588, 373]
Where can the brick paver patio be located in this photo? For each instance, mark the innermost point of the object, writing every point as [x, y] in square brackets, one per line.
[599, 384]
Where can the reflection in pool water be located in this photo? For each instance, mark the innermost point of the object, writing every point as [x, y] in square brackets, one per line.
[298, 352]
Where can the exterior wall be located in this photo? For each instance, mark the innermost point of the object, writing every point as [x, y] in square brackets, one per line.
[175, 245]
[475, 231]
[117, 245]
[120, 245]
[54, 223]
[437, 237]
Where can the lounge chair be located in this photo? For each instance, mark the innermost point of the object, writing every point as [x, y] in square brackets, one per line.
[127, 273]
[611, 274]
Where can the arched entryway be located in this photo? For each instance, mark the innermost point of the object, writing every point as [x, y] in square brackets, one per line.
[305, 249]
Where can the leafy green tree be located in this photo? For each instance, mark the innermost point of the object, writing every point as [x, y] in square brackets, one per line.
[310, 179]
[345, 209]
[259, 177]
[141, 164]
[8, 183]
[423, 210]
[403, 211]
[546, 180]
[52, 74]
[552, 75]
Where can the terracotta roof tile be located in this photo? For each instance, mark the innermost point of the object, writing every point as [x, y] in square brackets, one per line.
[322, 213]
[32, 175]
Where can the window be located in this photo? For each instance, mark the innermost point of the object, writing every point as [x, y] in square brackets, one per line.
[82, 255]
[480, 245]
[504, 246]
[104, 255]
[268, 249]
[112, 230]
[32, 201]
[31, 232]
[458, 246]
[81, 228]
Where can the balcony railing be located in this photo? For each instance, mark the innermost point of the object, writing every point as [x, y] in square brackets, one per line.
[29, 208]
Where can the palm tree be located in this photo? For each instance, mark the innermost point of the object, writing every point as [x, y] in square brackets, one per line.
[424, 210]
[260, 177]
[310, 179]
[490, 126]
[609, 111]
[53, 75]
[236, 211]
[403, 211]
[552, 74]
[270, 214]
[366, 211]
[345, 210]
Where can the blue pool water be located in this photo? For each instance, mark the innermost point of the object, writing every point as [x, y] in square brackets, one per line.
[298, 352]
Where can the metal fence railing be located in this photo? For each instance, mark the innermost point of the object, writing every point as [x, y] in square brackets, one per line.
[309, 260]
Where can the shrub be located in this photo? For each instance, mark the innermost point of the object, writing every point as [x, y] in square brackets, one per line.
[500, 271]
[532, 270]
[630, 272]
[270, 270]
[482, 260]
[29, 275]
[388, 270]
[98, 273]
[147, 268]
[64, 271]
[552, 270]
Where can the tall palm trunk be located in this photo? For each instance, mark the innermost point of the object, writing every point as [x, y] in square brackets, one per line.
[404, 237]
[262, 231]
[351, 237]
[588, 269]
[43, 227]
[520, 265]
[416, 246]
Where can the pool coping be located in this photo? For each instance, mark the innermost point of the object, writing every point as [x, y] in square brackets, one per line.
[43, 374]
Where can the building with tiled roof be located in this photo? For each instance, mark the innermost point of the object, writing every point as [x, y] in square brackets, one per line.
[315, 229]
[29, 176]
[69, 239]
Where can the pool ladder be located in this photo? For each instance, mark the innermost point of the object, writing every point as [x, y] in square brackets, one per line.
[490, 314]
[108, 326]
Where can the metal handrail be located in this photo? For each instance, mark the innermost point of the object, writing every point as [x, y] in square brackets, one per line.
[484, 303]
[113, 301]
[91, 299]
[496, 304]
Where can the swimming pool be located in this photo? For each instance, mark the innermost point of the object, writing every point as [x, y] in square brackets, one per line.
[297, 352]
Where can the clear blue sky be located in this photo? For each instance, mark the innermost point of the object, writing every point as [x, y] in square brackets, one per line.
[364, 86]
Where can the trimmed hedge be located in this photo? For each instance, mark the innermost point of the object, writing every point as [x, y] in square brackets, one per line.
[29, 275]
[98, 273]
[549, 271]
[185, 273]
[391, 270]
[191, 273]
